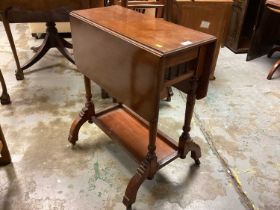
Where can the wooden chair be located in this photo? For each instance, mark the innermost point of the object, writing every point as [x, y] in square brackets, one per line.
[273, 5]
[5, 157]
[4, 98]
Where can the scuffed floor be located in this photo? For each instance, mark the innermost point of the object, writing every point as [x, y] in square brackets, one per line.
[236, 126]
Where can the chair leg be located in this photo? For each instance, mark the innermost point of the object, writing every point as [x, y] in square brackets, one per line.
[86, 114]
[5, 98]
[5, 157]
[19, 72]
[273, 70]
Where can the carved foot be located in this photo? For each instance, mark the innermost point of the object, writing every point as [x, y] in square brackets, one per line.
[186, 145]
[85, 115]
[5, 99]
[19, 75]
[195, 151]
[134, 184]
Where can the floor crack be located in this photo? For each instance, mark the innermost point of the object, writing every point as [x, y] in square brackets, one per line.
[246, 201]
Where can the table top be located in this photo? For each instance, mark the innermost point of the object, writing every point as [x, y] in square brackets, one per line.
[155, 35]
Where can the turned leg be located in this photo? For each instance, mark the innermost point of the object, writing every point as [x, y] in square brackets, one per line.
[134, 184]
[146, 170]
[86, 114]
[273, 70]
[5, 157]
[185, 142]
[19, 72]
[5, 98]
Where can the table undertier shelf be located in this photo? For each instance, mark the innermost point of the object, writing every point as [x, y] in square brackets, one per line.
[133, 134]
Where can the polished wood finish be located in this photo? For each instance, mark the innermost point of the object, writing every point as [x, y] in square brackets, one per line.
[208, 16]
[134, 66]
[152, 37]
[161, 10]
[135, 139]
[243, 20]
[85, 115]
[4, 98]
[5, 157]
[49, 11]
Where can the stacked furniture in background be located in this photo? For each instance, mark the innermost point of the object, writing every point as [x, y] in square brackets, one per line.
[48, 11]
[243, 19]
[208, 16]
[267, 31]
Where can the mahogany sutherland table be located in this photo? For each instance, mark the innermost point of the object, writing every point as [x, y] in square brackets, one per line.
[134, 57]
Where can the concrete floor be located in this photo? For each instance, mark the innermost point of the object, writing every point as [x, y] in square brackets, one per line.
[237, 126]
